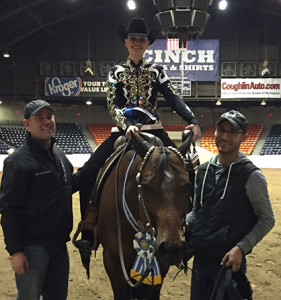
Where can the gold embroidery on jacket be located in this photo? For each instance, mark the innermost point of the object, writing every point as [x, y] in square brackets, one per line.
[137, 90]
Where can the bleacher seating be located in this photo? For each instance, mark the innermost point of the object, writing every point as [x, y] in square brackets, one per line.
[100, 131]
[272, 145]
[208, 140]
[70, 138]
[254, 132]
[12, 136]
[4, 148]
[174, 127]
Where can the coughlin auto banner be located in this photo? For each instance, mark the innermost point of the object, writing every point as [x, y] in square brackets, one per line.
[250, 88]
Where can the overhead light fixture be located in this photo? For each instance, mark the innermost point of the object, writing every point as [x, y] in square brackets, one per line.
[0, 101]
[223, 4]
[265, 68]
[6, 54]
[218, 102]
[89, 102]
[263, 102]
[89, 70]
[131, 5]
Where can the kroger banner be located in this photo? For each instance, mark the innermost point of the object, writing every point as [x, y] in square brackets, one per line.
[74, 86]
[200, 60]
[250, 88]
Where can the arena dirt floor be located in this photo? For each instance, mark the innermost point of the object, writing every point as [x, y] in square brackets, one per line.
[264, 264]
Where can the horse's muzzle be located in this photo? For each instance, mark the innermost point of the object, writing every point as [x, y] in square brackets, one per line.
[171, 254]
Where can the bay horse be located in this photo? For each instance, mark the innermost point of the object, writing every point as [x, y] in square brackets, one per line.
[155, 186]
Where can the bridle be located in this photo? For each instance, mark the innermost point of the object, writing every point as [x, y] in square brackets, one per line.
[149, 228]
[140, 189]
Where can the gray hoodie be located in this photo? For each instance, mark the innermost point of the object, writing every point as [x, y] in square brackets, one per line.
[256, 190]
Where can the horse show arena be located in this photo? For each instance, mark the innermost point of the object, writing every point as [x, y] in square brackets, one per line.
[264, 264]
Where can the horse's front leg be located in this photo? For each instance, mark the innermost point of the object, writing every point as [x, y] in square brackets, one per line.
[146, 292]
[121, 289]
[153, 292]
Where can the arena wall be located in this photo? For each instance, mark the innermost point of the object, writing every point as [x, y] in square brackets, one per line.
[82, 114]
[13, 114]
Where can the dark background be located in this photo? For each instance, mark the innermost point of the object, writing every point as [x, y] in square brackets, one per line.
[56, 37]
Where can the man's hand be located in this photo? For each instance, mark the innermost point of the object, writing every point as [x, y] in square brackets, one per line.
[130, 129]
[19, 263]
[195, 128]
[233, 258]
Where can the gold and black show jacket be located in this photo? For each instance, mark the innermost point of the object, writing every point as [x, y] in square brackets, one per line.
[138, 86]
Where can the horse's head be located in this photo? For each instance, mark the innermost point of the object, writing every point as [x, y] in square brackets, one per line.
[163, 188]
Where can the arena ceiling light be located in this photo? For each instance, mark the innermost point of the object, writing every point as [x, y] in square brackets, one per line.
[6, 54]
[263, 102]
[223, 4]
[131, 5]
[89, 102]
[218, 102]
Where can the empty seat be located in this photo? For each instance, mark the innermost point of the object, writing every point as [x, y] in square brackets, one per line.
[272, 144]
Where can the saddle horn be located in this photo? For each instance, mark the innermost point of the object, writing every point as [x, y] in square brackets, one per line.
[187, 136]
[140, 144]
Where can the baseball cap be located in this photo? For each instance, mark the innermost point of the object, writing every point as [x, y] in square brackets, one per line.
[237, 120]
[34, 106]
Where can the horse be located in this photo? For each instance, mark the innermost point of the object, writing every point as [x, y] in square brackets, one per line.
[155, 184]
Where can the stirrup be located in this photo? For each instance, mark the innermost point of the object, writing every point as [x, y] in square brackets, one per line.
[83, 245]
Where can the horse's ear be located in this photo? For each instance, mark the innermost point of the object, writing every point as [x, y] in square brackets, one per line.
[140, 145]
[187, 136]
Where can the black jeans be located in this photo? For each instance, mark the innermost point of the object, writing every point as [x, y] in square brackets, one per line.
[204, 275]
[47, 275]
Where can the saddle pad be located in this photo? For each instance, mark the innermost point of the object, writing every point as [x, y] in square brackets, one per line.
[105, 171]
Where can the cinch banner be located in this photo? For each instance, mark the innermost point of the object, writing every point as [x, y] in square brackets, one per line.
[74, 86]
[250, 88]
[200, 60]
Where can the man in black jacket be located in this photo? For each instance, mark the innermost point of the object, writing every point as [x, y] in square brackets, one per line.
[36, 206]
[231, 211]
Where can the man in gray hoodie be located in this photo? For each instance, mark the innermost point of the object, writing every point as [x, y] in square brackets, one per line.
[231, 210]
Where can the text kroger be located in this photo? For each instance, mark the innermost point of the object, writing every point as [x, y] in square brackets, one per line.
[66, 89]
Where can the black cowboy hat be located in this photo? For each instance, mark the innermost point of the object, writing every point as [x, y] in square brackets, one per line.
[137, 26]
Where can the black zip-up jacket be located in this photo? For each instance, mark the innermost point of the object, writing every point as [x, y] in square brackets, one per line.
[36, 196]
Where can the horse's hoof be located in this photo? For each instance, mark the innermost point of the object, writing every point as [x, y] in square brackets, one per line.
[83, 245]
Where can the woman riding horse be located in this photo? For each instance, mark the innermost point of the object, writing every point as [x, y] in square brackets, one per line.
[132, 91]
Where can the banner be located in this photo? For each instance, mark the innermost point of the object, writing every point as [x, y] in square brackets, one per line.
[74, 86]
[250, 88]
[200, 59]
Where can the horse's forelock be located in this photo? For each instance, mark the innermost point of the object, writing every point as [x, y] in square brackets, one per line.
[166, 164]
